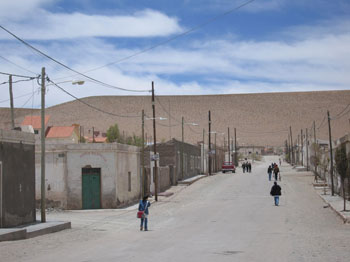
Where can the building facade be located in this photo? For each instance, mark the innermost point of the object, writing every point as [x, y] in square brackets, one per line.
[17, 178]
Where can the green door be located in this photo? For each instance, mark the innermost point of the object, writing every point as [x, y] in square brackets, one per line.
[91, 181]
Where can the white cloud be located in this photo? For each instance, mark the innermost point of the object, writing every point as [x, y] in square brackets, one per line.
[313, 62]
[44, 25]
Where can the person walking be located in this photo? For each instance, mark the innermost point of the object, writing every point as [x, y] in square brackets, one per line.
[249, 169]
[276, 170]
[243, 167]
[269, 171]
[276, 193]
[143, 206]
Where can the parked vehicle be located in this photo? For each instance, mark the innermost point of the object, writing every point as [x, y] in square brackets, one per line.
[227, 167]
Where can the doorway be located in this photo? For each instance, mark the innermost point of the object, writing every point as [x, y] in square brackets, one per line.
[91, 188]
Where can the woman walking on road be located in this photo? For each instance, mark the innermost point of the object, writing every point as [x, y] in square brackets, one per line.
[143, 206]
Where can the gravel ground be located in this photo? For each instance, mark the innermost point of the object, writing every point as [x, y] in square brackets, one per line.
[226, 217]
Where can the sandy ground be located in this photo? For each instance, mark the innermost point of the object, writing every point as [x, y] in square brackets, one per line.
[226, 217]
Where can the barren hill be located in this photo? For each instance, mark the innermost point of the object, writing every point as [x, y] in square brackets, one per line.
[260, 119]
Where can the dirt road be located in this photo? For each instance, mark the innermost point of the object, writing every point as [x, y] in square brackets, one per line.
[226, 217]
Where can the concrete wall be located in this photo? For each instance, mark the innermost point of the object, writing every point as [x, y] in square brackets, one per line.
[64, 164]
[17, 178]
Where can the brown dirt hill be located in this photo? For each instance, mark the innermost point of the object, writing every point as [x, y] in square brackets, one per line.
[260, 119]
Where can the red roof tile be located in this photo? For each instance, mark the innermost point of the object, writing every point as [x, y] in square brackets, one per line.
[60, 131]
[34, 121]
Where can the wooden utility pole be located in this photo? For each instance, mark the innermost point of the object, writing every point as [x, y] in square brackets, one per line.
[315, 153]
[43, 196]
[228, 144]
[307, 150]
[298, 150]
[331, 150]
[291, 144]
[154, 146]
[143, 155]
[302, 147]
[182, 150]
[203, 151]
[93, 134]
[209, 164]
[11, 103]
[236, 160]
[215, 162]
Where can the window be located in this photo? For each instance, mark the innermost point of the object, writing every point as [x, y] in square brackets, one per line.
[129, 181]
[36, 132]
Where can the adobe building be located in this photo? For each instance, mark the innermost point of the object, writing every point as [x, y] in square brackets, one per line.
[17, 178]
[90, 175]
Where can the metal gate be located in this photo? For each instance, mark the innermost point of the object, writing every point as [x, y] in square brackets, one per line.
[91, 188]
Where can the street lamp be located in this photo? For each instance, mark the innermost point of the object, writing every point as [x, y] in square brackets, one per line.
[182, 145]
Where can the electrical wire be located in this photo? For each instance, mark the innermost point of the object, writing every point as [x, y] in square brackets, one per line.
[322, 123]
[339, 115]
[9, 61]
[3, 101]
[195, 28]
[8, 74]
[89, 105]
[13, 82]
[67, 67]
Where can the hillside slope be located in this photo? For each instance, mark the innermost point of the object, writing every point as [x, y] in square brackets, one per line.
[260, 119]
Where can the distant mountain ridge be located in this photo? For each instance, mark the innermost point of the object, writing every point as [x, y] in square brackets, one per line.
[260, 119]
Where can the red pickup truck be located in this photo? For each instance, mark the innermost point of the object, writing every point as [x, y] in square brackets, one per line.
[228, 166]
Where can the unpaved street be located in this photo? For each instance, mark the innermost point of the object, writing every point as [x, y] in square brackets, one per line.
[226, 217]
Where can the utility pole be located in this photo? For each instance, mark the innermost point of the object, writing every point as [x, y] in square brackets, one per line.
[11, 103]
[209, 143]
[93, 135]
[155, 146]
[298, 150]
[307, 150]
[236, 160]
[228, 144]
[143, 155]
[331, 150]
[169, 122]
[302, 147]
[291, 144]
[182, 150]
[203, 151]
[43, 197]
[215, 166]
[315, 148]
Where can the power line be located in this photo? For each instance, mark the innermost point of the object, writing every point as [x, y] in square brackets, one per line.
[339, 115]
[195, 28]
[13, 82]
[89, 105]
[3, 101]
[323, 121]
[8, 74]
[9, 61]
[67, 67]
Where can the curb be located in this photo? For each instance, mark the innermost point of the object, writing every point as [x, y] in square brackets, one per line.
[191, 181]
[10, 234]
[344, 218]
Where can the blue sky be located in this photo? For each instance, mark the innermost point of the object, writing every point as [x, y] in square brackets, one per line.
[266, 46]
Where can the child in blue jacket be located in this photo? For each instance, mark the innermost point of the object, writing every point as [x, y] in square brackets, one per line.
[143, 206]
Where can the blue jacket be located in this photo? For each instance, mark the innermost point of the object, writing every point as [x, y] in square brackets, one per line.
[143, 207]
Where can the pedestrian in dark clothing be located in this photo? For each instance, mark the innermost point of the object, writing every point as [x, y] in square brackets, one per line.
[143, 206]
[269, 171]
[276, 192]
[243, 167]
[249, 167]
[276, 170]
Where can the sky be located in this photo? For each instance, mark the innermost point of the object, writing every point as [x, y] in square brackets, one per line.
[187, 47]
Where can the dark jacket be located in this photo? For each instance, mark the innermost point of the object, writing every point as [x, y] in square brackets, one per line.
[276, 170]
[143, 206]
[269, 170]
[275, 190]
